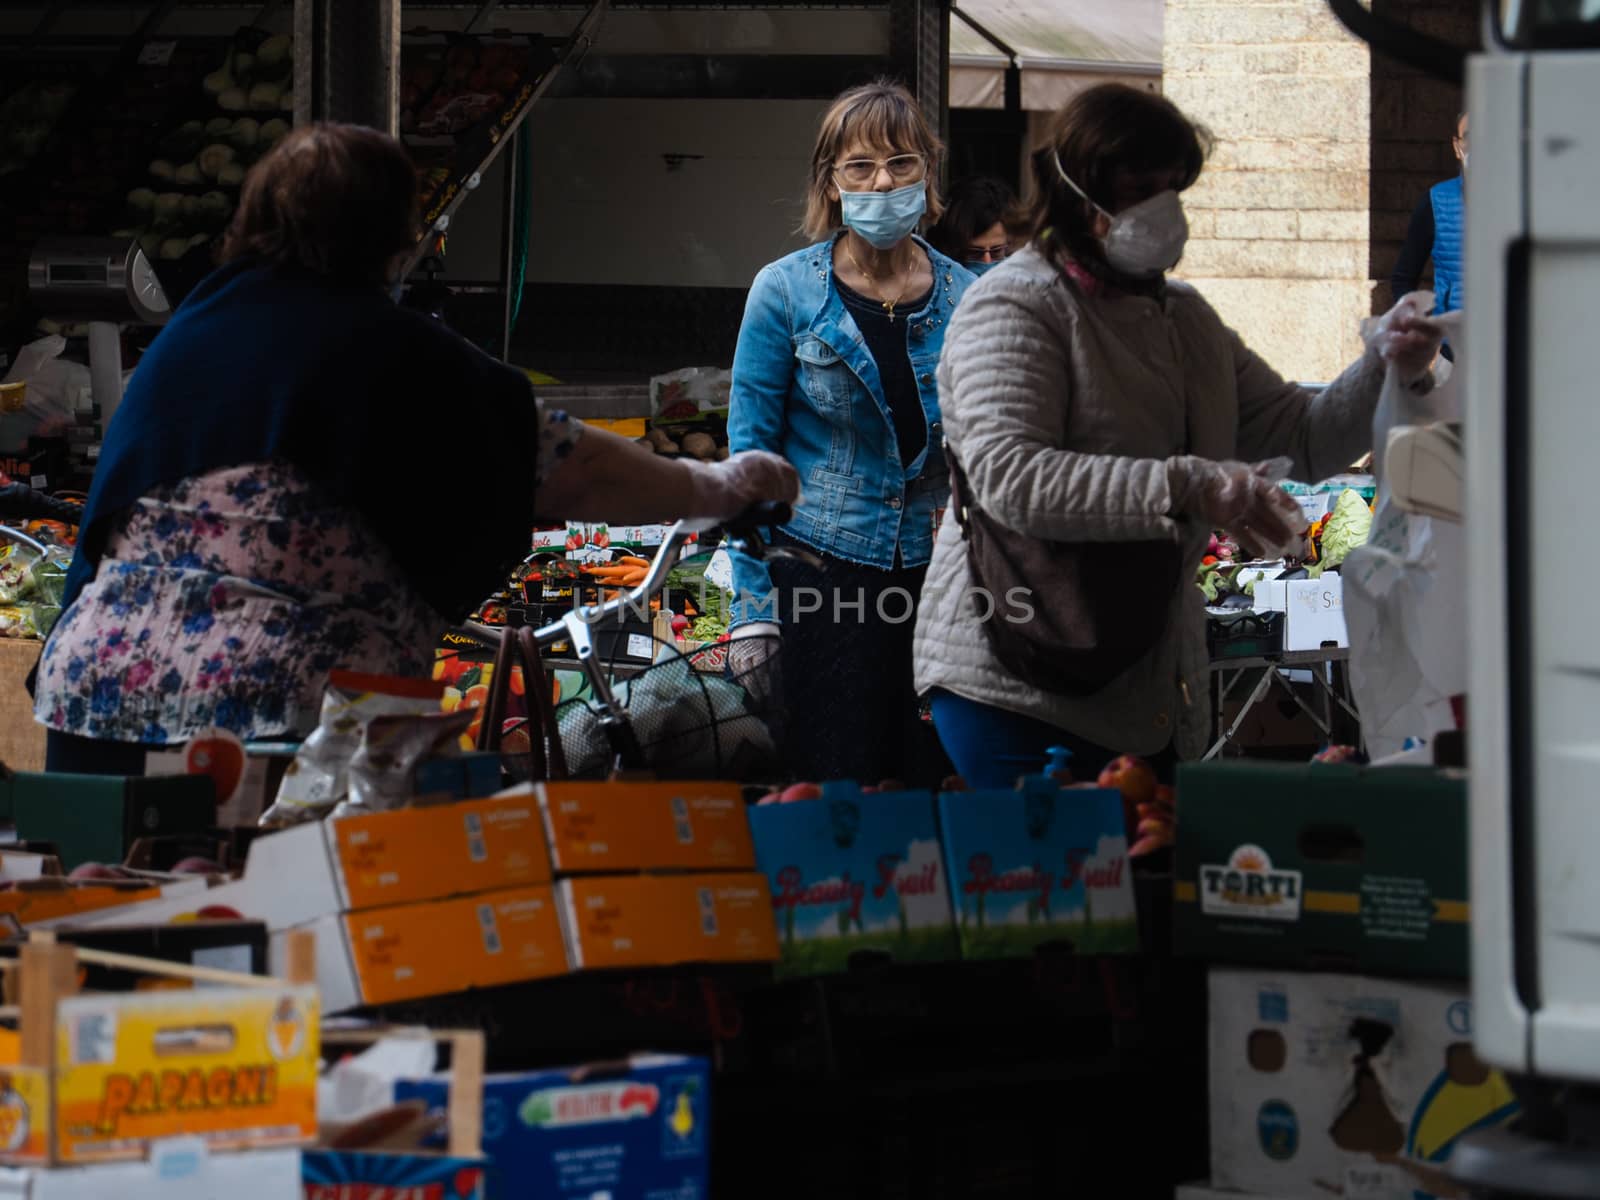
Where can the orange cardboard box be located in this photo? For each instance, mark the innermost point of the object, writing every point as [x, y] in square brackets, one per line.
[647, 826]
[50, 899]
[384, 955]
[659, 920]
[439, 850]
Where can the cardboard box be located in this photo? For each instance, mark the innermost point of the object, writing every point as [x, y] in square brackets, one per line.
[234, 1067]
[1337, 1084]
[1323, 866]
[176, 1170]
[352, 1175]
[1315, 609]
[661, 920]
[50, 900]
[583, 1133]
[386, 955]
[856, 876]
[239, 946]
[447, 849]
[96, 818]
[646, 826]
[1039, 866]
[295, 876]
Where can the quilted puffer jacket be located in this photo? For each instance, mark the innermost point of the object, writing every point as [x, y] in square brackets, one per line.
[1071, 412]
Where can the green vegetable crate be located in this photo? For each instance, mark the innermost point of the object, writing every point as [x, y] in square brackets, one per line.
[1322, 866]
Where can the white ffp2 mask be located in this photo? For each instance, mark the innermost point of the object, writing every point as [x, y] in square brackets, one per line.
[1143, 240]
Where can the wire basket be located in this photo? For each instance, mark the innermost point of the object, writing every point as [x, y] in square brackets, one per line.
[704, 713]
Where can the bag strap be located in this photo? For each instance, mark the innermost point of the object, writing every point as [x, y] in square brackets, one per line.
[519, 647]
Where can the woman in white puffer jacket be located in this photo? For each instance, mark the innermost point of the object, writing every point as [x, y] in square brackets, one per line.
[1088, 398]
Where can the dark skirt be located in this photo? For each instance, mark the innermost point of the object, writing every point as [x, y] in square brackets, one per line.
[850, 707]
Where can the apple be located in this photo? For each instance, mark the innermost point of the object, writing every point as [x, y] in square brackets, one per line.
[1132, 777]
[800, 791]
[219, 912]
[891, 785]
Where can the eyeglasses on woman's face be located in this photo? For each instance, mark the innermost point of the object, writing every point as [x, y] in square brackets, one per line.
[988, 254]
[860, 173]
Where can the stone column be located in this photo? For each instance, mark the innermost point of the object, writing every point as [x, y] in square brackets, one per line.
[1280, 219]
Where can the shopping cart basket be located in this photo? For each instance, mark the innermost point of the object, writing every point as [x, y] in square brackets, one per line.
[687, 714]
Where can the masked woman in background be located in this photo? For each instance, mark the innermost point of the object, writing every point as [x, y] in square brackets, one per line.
[1091, 401]
[834, 371]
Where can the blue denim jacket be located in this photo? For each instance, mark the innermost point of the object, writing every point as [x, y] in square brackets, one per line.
[806, 386]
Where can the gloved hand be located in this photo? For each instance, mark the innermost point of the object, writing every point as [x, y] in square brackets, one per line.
[753, 659]
[1405, 338]
[1243, 499]
[725, 489]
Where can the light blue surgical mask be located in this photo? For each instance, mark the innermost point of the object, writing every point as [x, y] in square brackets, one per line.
[978, 268]
[885, 219]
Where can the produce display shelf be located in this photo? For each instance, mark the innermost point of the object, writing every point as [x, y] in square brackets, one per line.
[470, 156]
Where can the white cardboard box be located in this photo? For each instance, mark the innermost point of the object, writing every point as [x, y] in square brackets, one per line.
[177, 1170]
[1315, 610]
[1342, 1085]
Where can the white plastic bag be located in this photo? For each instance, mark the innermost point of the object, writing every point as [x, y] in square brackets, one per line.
[1404, 591]
[52, 396]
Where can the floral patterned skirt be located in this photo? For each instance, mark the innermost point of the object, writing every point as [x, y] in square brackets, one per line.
[224, 601]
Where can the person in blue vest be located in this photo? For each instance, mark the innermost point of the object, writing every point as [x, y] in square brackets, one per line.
[1435, 232]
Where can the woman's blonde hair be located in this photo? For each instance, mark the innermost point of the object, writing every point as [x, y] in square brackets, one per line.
[881, 114]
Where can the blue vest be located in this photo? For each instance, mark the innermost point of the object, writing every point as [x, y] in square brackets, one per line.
[1449, 286]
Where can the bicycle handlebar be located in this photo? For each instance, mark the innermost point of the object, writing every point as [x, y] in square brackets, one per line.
[743, 531]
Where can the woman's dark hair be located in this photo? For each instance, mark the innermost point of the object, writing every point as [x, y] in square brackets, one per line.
[1102, 131]
[339, 200]
[974, 204]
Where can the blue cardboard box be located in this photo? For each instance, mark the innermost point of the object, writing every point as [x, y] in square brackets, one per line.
[640, 1131]
[853, 875]
[1039, 865]
[358, 1175]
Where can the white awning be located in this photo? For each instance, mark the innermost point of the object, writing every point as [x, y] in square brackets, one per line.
[1062, 46]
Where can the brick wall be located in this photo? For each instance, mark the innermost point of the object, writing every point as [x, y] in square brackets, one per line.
[1280, 220]
[1413, 118]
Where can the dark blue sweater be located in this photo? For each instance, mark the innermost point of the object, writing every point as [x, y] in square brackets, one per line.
[424, 436]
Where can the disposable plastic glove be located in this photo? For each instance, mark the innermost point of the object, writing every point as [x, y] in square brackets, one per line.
[1243, 499]
[1405, 338]
[725, 489]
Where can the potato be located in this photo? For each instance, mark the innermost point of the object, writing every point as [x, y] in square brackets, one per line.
[701, 445]
[662, 443]
[722, 454]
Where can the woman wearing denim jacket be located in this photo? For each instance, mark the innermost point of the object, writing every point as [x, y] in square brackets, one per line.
[835, 371]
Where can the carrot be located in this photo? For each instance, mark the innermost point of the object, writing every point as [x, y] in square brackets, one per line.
[633, 560]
